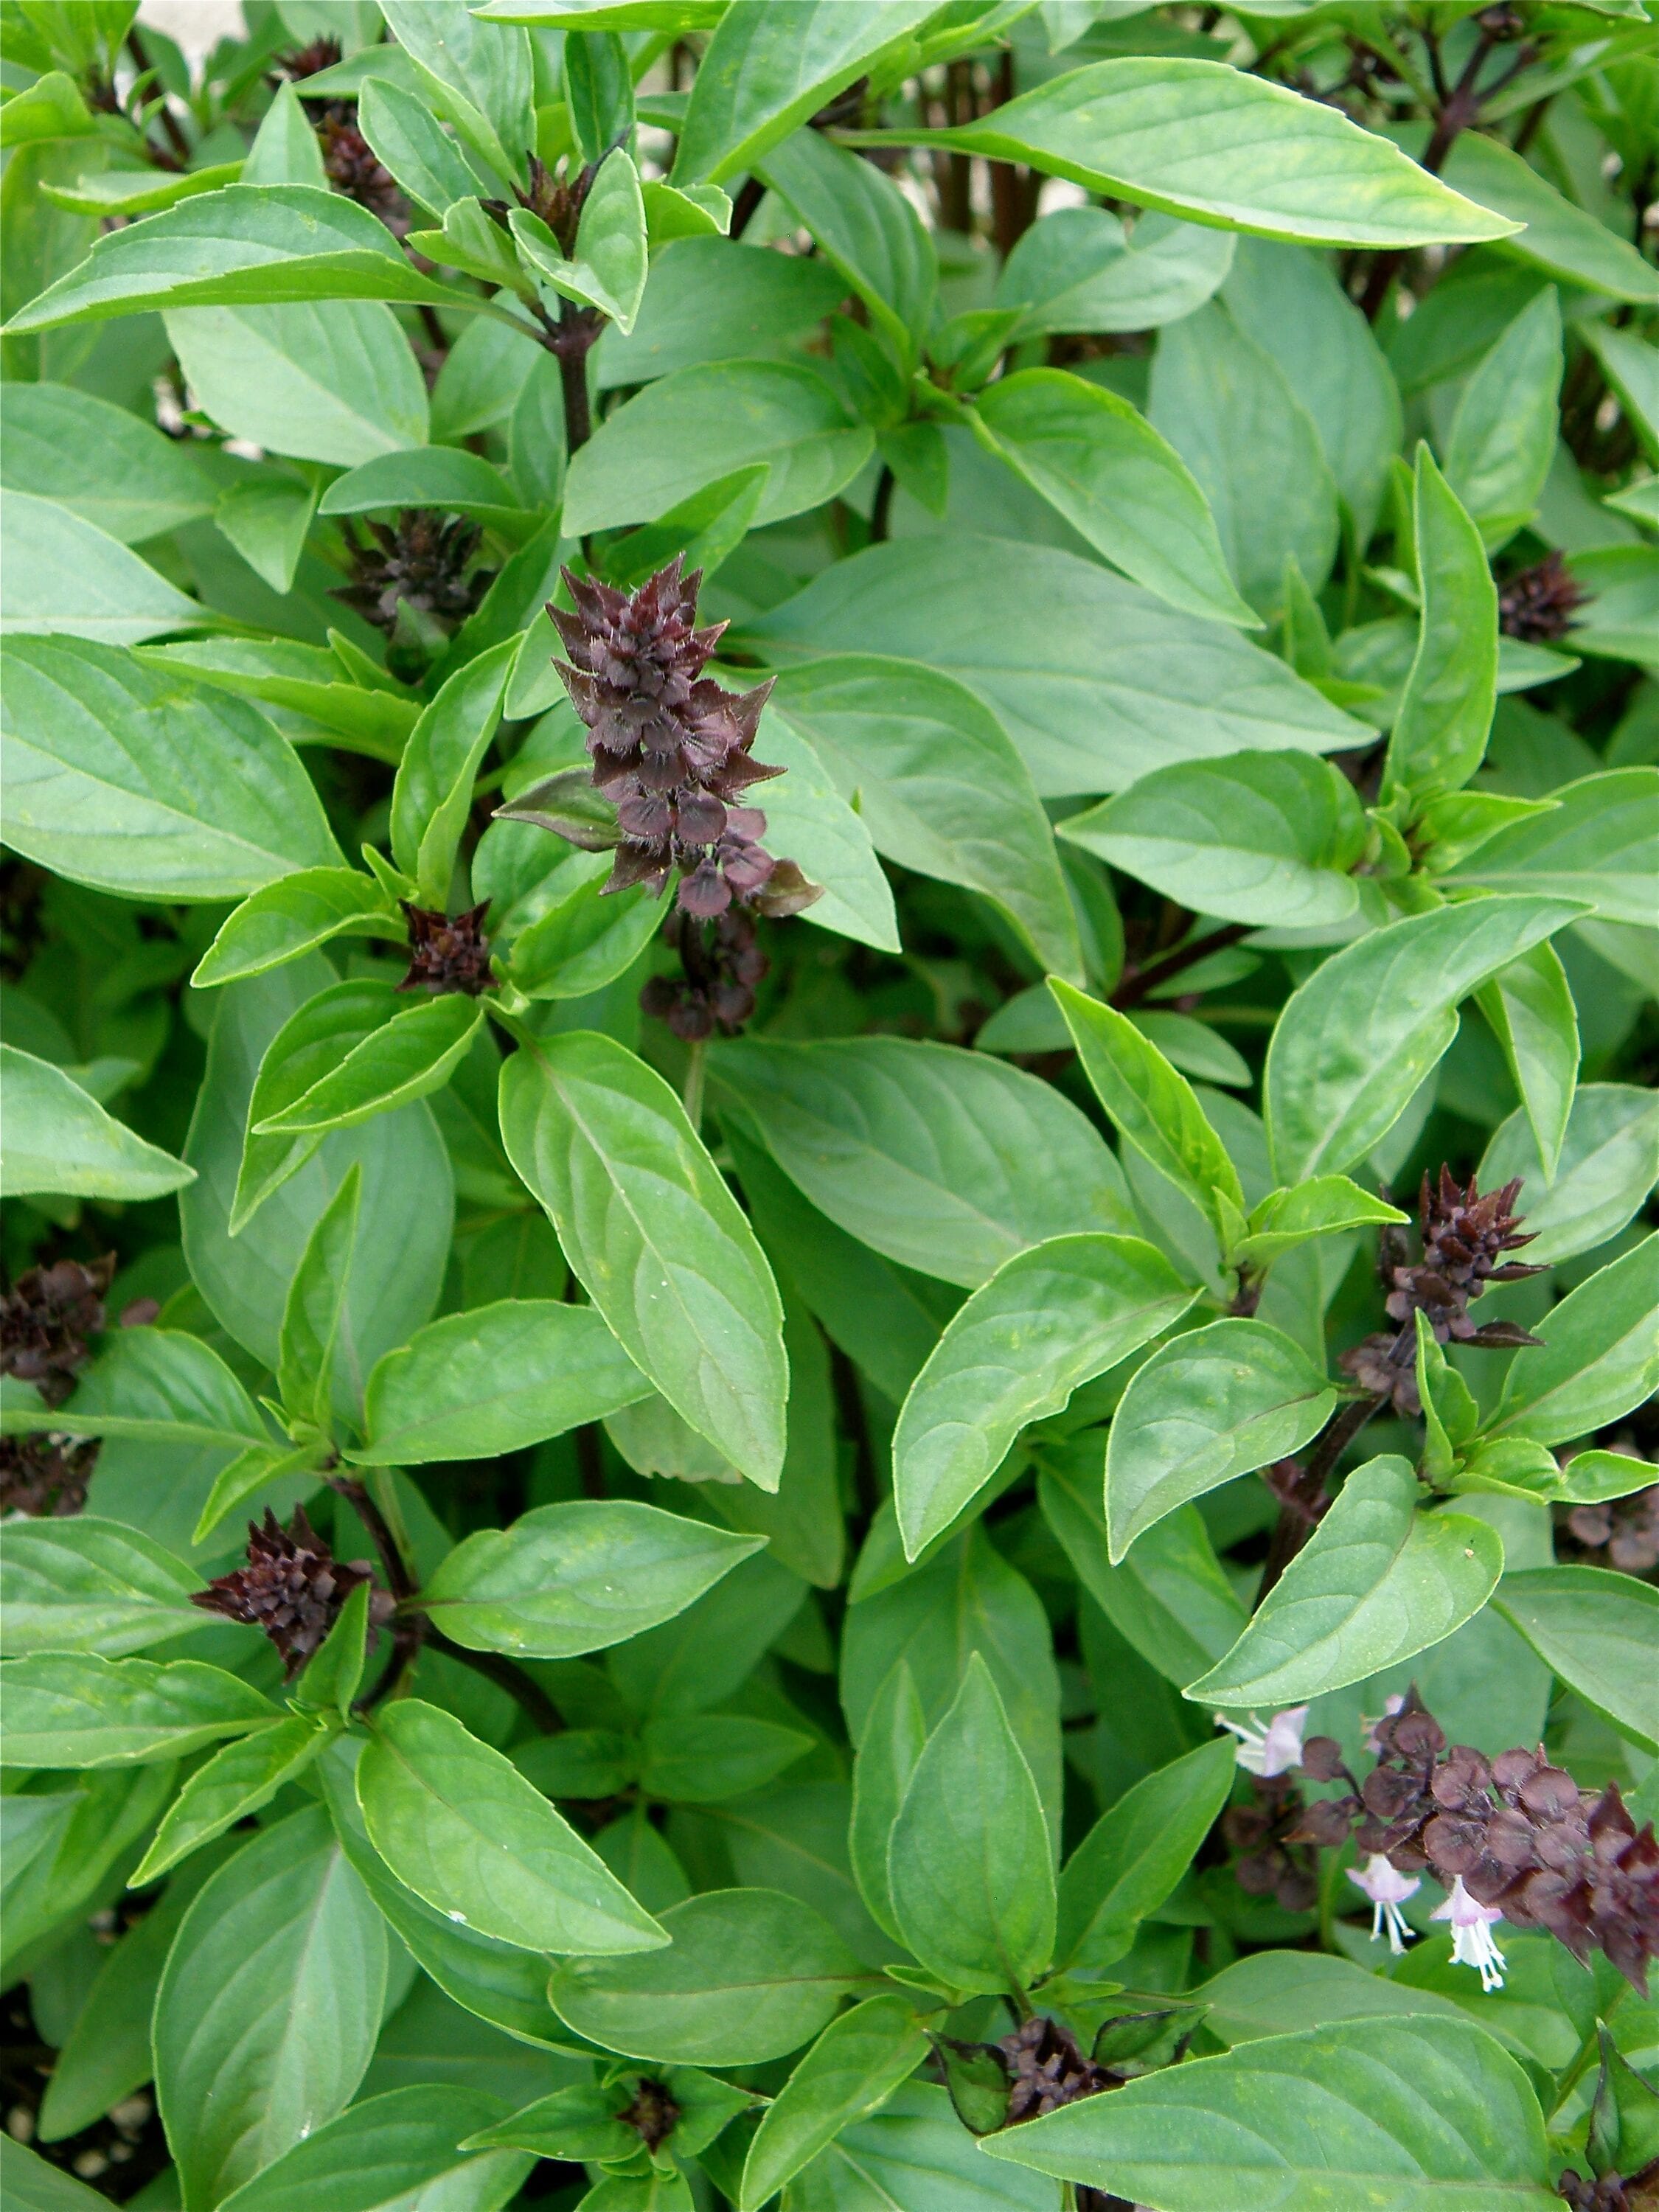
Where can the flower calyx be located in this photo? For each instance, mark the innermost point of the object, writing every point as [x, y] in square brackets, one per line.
[448, 952]
[293, 1587]
[671, 748]
[45, 1319]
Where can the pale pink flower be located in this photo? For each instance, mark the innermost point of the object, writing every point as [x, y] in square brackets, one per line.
[1388, 1890]
[1472, 1937]
[1271, 1750]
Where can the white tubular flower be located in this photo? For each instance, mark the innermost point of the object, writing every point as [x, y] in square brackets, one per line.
[1472, 1937]
[1388, 1890]
[1271, 1750]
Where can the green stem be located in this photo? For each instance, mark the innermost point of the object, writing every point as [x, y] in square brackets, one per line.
[696, 1068]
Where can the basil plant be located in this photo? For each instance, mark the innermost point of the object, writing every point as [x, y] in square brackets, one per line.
[830, 942]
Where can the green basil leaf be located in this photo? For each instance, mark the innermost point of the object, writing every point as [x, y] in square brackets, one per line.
[1078, 269]
[1427, 2107]
[688, 430]
[135, 782]
[748, 1975]
[478, 76]
[1599, 1632]
[269, 2005]
[699, 1758]
[939, 785]
[1600, 1356]
[711, 299]
[1263, 838]
[849, 2072]
[1094, 680]
[1117, 482]
[248, 243]
[1599, 843]
[1558, 236]
[492, 1380]
[1151, 1106]
[58, 1139]
[1136, 1852]
[65, 577]
[1206, 141]
[1529, 1008]
[238, 1780]
[1378, 1581]
[944, 1160]
[1608, 1163]
[405, 1058]
[71, 1709]
[894, 1730]
[1291, 302]
[397, 2149]
[244, 1277]
[405, 137]
[764, 73]
[969, 1862]
[315, 1041]
[1359, 1038]
[492, 1981]
[305, 678]
[315, 1311]
[1229, 411]
[87, 1584]
[1439, 736]
[1213, 1404]
[163, 1386]
[577, 1576]
[1169, 1598]
[1503, 434]
[294, 916]
[459, 1825]
[866, 230]
[98, 461]
[1288, 1218]
[655, 1236]
[1047, 1320]
[433, 789]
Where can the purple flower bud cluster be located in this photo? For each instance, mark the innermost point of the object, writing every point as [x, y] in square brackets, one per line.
[1465, 1234]
[671, 750]
[1516, 1833]
[292, 1587]
[45, 1319]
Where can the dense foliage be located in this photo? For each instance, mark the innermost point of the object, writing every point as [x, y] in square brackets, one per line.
[829, 1387]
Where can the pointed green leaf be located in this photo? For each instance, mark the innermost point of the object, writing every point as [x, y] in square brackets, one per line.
[235, 1781]
[1440, 732]
[1213, 1404]
[1153, 1107]
[1046, 1320]
[849, 2072]
[1359, 1038]
[1116, 481]
[245, 244]
[1599, 1631]
[71, 1709]
[459, 1825]
[1378, 1581]
[1211, 142]
[58, 1139]
[748, 1975]
[492, 1380]
[655, 1236]
[1401, 2112]
[968, 1860]
[577, 1576]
